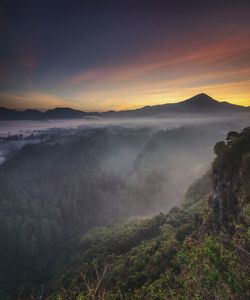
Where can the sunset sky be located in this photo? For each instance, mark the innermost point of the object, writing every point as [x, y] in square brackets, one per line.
[102, 55]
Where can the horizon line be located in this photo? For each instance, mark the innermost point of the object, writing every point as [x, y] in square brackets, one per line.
[112, 110]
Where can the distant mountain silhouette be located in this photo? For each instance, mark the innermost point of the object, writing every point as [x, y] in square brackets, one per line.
[64, 113]
[204, 102]
[29, 114]
[200, 103]
[12, 114]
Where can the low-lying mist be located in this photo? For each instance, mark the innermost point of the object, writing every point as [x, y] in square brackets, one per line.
[57, 182]
[152, 161]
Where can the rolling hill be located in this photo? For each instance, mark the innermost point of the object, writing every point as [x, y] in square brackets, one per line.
[199, 104]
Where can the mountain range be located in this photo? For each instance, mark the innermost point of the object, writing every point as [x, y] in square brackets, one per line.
[200, 103]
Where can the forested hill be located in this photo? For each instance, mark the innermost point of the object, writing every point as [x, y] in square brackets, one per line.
[62, 202]
[200, 250]
[53, 191]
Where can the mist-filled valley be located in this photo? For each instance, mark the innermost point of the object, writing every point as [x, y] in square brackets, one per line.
[58, 183]
[125, 150]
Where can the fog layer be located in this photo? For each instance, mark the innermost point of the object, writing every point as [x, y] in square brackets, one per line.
[57, 183]
[152, 161]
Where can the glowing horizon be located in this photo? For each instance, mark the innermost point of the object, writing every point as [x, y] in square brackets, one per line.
[148, 56]
[65, 105]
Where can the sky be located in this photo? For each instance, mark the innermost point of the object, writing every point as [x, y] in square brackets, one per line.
[115, 55]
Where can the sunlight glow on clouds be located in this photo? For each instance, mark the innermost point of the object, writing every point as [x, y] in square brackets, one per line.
[140, 58]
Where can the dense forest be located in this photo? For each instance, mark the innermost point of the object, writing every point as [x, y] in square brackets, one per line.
[199, 250]
[73, 210]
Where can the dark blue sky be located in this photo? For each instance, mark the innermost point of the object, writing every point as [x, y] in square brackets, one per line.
[118, 54]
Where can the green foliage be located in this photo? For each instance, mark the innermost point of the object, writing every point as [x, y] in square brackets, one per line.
[213, 269]
[184, 254]
[52, 192]
[183, 231]
[178, 255]
[219, 148]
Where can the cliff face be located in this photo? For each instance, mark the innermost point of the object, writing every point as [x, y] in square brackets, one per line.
[231, 180]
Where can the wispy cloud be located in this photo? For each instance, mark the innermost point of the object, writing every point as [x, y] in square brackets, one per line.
[169, 75]
[218, 65]
[197, 53]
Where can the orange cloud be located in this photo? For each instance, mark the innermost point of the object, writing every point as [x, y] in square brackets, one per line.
[192, 55]
[219, 67]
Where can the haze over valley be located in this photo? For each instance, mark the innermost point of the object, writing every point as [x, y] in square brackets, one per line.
[125, 150]
[69, 175]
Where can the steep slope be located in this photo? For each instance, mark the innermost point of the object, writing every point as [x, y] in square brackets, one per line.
[200, 250]
[168, 164]
[231, 181]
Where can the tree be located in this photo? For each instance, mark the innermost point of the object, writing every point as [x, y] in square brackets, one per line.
[219, 148]
[232, 136]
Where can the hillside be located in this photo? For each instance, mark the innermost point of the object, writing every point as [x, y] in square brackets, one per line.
[162, 173]
[199, 104]
[52, 191]
[55, 190]
[200, 250]
[77, 201]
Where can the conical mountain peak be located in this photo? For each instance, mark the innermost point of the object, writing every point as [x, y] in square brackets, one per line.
[201, 99]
